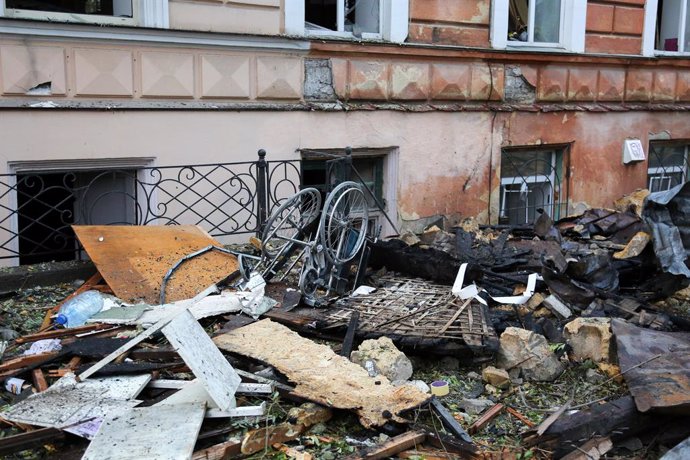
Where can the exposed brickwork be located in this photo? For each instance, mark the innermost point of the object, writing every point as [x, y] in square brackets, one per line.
[459, 11]
[613, 44]
[450, 22]
[614, 27]
[600, 18]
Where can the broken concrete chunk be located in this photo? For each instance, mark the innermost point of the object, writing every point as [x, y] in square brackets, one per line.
[529, 352]
[474, 406]
[387, 359]
[410, 238]
[590, 338]
[635, 246]
[419, 384]
[496, 377]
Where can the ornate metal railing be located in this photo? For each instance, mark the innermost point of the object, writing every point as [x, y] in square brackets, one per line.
[37, 209]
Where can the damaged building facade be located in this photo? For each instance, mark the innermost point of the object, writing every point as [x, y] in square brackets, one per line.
[476, 108]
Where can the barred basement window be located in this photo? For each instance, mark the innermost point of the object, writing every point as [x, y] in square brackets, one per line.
[531, 180]
[668, 165]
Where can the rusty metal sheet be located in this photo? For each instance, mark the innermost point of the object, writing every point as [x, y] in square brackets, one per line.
[134, 259]
[661, 380]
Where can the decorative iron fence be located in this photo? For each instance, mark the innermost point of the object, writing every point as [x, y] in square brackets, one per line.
[37, 209]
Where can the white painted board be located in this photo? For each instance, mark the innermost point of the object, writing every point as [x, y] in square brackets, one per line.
[152, 433]
[202, 356]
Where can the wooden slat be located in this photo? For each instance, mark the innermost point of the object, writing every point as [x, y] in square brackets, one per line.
[393, 446]
[23, 441]
[209, 365]
[486, 418]
[39, 380]
[134, 260]
[67, 332]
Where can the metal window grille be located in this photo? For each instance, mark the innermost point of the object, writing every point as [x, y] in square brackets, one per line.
[531, 180]
[37, 209]
[668, 165]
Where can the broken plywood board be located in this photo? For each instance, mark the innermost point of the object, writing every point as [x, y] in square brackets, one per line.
[156, 432]
[134, 259]
[207, 363]
[321, 375]
[69, 403]
[656, 367]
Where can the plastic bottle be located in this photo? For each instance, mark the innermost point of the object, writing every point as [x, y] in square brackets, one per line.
[77, 310]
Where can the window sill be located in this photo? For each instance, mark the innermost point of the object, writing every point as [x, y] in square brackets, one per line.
[342, 36]
[672, 54]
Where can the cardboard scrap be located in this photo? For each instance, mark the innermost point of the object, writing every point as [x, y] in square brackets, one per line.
[321, 375]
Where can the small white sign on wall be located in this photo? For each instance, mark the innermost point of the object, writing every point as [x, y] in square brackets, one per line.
[632, 151]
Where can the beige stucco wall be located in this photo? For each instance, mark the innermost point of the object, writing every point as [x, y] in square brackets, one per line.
[262, 17]
[443, 163]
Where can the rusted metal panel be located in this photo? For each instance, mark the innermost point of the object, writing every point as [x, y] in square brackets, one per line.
[656, 367]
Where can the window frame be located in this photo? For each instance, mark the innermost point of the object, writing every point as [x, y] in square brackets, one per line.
[557, 179]
[571, 36]
[394, 22]
[649, 31]
[661, 172]
[145, 13]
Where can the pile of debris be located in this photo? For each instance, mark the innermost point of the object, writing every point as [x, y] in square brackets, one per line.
[570, 336]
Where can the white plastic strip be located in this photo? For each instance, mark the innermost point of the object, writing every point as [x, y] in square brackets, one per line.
[472, 290]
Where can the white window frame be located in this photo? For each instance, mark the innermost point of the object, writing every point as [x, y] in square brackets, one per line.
[649, 32]
[394, 21]
[145, 13]
[661, 172]
[571, 36]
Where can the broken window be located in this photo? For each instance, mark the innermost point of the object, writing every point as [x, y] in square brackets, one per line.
[672, 31]
[94, 11]
[370, 166]
[49, 203]
[668, 165]
[535, 21]
[361, 18]
[531, 180]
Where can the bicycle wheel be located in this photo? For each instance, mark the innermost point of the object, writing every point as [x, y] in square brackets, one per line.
[289, 222]
[344, 221]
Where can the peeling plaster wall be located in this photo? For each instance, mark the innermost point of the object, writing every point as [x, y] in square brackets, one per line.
[448, 162]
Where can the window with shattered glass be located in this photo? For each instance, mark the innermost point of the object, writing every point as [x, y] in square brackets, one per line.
[359, 18]
[531, 181]
[535, 21]
[86, 11]
[668, 165]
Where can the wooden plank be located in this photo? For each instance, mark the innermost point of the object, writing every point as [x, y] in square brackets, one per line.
[349, 340]
[449, 421]
[207, 363]
[31, 439]
[134, 259]
[242, 411]
[227, 449]
[68, 332]
[486, 418]
[29, 360]
[39, 380]
[393, 446]
[156, 432]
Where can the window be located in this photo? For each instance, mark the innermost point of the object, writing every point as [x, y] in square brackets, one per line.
[377, 170]
[550, 24]
[668, 165]
[531, 180]
[364, 19]
[666, 28]
[147, 13]
[361, 18]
